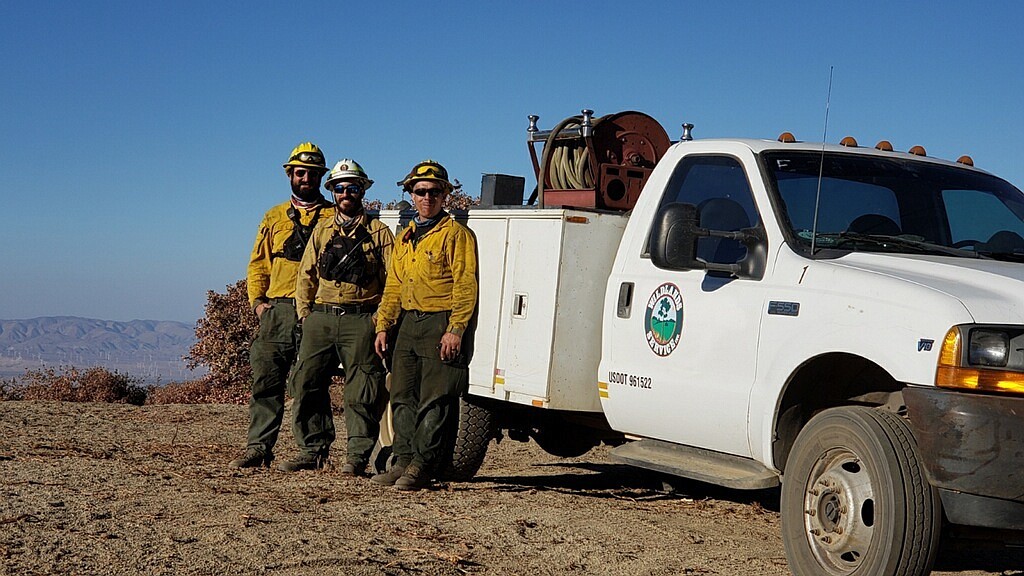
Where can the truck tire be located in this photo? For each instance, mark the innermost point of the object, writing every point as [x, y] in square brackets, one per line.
[855, 500]
[477, 426]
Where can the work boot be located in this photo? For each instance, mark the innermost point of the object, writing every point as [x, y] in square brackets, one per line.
[415, 478]
[303, 462]
[252, 458]
[390, 477]
[353, 469]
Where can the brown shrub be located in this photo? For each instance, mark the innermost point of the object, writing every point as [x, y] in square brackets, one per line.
[204, 390]
[222, 344]
[70, 384]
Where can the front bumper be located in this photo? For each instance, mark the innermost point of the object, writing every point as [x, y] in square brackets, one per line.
[973, 450]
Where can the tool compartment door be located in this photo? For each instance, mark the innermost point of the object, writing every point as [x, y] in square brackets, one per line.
[528, 307]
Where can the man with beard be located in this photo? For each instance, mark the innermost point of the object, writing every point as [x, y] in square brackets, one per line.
[341, 278]
[429, 298]
[273, 266]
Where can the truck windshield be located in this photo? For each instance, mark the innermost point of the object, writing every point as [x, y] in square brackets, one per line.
[874, 204]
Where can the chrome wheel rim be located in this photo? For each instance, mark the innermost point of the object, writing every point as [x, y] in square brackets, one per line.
[839, 511]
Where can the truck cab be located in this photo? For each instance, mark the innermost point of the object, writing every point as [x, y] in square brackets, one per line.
[845, 321]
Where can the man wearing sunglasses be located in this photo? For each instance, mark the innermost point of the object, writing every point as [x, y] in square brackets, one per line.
[280, 243]
[429, 298]
[340, 281]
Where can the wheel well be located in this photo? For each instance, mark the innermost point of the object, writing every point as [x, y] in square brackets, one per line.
[835, 379]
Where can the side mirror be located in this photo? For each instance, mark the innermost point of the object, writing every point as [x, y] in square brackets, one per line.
[674, 238]
[676, 231]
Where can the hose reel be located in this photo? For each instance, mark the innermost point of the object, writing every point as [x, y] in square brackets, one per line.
[596, 163]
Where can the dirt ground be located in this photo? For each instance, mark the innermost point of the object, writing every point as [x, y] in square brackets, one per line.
[113, 489]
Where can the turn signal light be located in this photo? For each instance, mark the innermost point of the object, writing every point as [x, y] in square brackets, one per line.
[950, 372]
[980, 380]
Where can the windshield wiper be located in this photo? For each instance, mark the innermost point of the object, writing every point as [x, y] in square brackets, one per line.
[837, 239]
[1003, 256]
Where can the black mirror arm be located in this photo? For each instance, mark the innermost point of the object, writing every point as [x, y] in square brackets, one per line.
[749, 237]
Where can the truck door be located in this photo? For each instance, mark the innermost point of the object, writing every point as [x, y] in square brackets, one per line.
[679, 363]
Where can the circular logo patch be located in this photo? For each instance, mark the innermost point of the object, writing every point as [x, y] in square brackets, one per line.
[663, 321]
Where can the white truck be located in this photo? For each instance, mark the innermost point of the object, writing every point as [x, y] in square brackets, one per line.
[847, 322]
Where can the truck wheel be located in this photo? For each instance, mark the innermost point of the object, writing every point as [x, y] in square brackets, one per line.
[855, 500]
[476, 428]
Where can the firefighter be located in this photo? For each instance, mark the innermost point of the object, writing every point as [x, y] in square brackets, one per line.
[280, 243]
[430, 297]
[341, 278]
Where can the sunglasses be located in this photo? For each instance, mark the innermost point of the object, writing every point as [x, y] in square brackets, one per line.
[353, 189]
[432, 192]
[431, 170]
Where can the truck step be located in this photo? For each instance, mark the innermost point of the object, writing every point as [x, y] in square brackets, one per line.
[696, 464]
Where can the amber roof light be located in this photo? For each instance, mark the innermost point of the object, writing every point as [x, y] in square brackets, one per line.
[849, 142]
[966, 160]
[884, 146]
[787, 138]
[918, 151]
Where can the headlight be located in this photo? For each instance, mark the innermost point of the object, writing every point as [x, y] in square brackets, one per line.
[976, 366]
[988, 348]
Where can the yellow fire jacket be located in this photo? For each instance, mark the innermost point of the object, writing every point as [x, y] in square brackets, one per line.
[377, 242]
[271, 276]
[438, 274]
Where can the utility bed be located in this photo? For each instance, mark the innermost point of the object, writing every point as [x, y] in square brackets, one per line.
[542, 275]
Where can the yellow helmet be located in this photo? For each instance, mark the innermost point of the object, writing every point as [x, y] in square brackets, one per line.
[347, 168]
[306, 155]
[427, 170]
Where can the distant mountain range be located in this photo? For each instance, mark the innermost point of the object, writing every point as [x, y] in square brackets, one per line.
[150, 350]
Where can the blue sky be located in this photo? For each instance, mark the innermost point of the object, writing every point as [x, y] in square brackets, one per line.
[142, 141]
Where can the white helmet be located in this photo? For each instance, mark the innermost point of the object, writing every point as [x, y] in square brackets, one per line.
[346, 168]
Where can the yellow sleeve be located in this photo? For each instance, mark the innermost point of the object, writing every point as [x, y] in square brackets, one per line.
[387, 246]
[258, 274]
[390, 301]
[463, 265]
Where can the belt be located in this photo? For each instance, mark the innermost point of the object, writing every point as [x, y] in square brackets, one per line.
[422, 314]
[342, 309]
[283, 301]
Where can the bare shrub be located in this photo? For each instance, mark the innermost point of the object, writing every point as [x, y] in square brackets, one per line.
[201, 391]
[459, 199]
[222, 344]
[70, 384]
[9, 390]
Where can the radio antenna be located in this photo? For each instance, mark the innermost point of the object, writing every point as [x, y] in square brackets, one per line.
[821, 165]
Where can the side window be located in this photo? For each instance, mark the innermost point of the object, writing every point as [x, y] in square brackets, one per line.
[718, 187]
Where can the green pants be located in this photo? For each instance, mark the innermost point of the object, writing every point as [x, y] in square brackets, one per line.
[328, 340]
[271, 357]
[424, 392]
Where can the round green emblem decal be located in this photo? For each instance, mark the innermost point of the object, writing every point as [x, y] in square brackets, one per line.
[663, 321]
